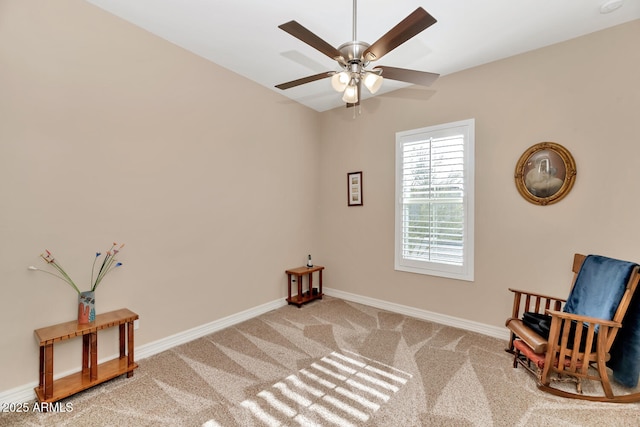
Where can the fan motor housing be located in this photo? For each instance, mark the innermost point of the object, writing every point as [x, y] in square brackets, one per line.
[353, 52]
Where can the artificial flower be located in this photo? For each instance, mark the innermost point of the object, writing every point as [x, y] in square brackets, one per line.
[108, 264]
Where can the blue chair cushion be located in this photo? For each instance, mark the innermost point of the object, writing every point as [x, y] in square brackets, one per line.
[600, 284]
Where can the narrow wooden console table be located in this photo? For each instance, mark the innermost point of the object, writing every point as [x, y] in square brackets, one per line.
[311, 294]
[92, 374]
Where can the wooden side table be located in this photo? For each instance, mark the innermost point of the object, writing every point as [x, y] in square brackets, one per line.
[92, 374]
[311, 293]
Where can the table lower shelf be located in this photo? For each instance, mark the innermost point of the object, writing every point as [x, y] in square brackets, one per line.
[306, 297]
[74, 383]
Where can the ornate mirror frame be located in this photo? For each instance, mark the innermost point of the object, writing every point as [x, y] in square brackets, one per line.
[545, 173]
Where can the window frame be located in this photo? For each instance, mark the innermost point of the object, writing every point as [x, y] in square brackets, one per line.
[434, 268]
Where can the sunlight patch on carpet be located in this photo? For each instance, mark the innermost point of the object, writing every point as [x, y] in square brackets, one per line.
[342, 388]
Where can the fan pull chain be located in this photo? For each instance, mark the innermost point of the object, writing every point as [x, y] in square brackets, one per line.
[359, 108]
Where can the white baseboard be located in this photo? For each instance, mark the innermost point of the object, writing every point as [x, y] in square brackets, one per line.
[171, 341]
[23, 393]
[26, 392]
[443, 319]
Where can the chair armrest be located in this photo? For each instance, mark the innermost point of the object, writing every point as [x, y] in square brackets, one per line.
[583, 319]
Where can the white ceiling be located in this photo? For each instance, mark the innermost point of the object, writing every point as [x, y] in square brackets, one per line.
[243, 35]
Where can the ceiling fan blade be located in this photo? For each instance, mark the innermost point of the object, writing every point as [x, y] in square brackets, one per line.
[303, 34]
[304, 80]
[421, 78]
[413, 24]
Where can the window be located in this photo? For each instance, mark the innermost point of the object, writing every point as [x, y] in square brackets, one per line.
[434, 193]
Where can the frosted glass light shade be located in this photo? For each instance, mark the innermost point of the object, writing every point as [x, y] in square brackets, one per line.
[373, 82]
[350, 94]
[339, 81]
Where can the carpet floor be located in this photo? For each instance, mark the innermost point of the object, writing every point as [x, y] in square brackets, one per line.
[329, 363]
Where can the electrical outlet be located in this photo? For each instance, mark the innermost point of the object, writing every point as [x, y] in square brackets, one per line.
[136, 324]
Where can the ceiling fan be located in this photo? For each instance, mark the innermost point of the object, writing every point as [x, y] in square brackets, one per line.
[353, 57]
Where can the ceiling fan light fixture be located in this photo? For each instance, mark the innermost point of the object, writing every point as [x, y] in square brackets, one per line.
[339, 81]
[350, 94]
[354, 56]
[372, 81]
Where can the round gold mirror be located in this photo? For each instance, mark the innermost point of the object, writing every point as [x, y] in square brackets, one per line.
[545, 173]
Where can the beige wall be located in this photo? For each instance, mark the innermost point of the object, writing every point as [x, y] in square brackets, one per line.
[108, 133]
[583, 94]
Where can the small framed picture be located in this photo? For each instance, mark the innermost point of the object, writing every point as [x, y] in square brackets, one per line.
[354, 188]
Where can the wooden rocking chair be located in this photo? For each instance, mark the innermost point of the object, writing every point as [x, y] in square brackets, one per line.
[580, 337]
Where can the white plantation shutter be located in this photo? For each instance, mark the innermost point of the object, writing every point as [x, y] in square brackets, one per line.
[434, 214]
[432, 197]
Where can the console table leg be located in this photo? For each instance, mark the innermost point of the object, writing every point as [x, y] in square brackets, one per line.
[93, 370]
[130, 348]
[299, 288]
[86, 354]
[320, 284]
[123, 340]
[41, 375]
[48, 371]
